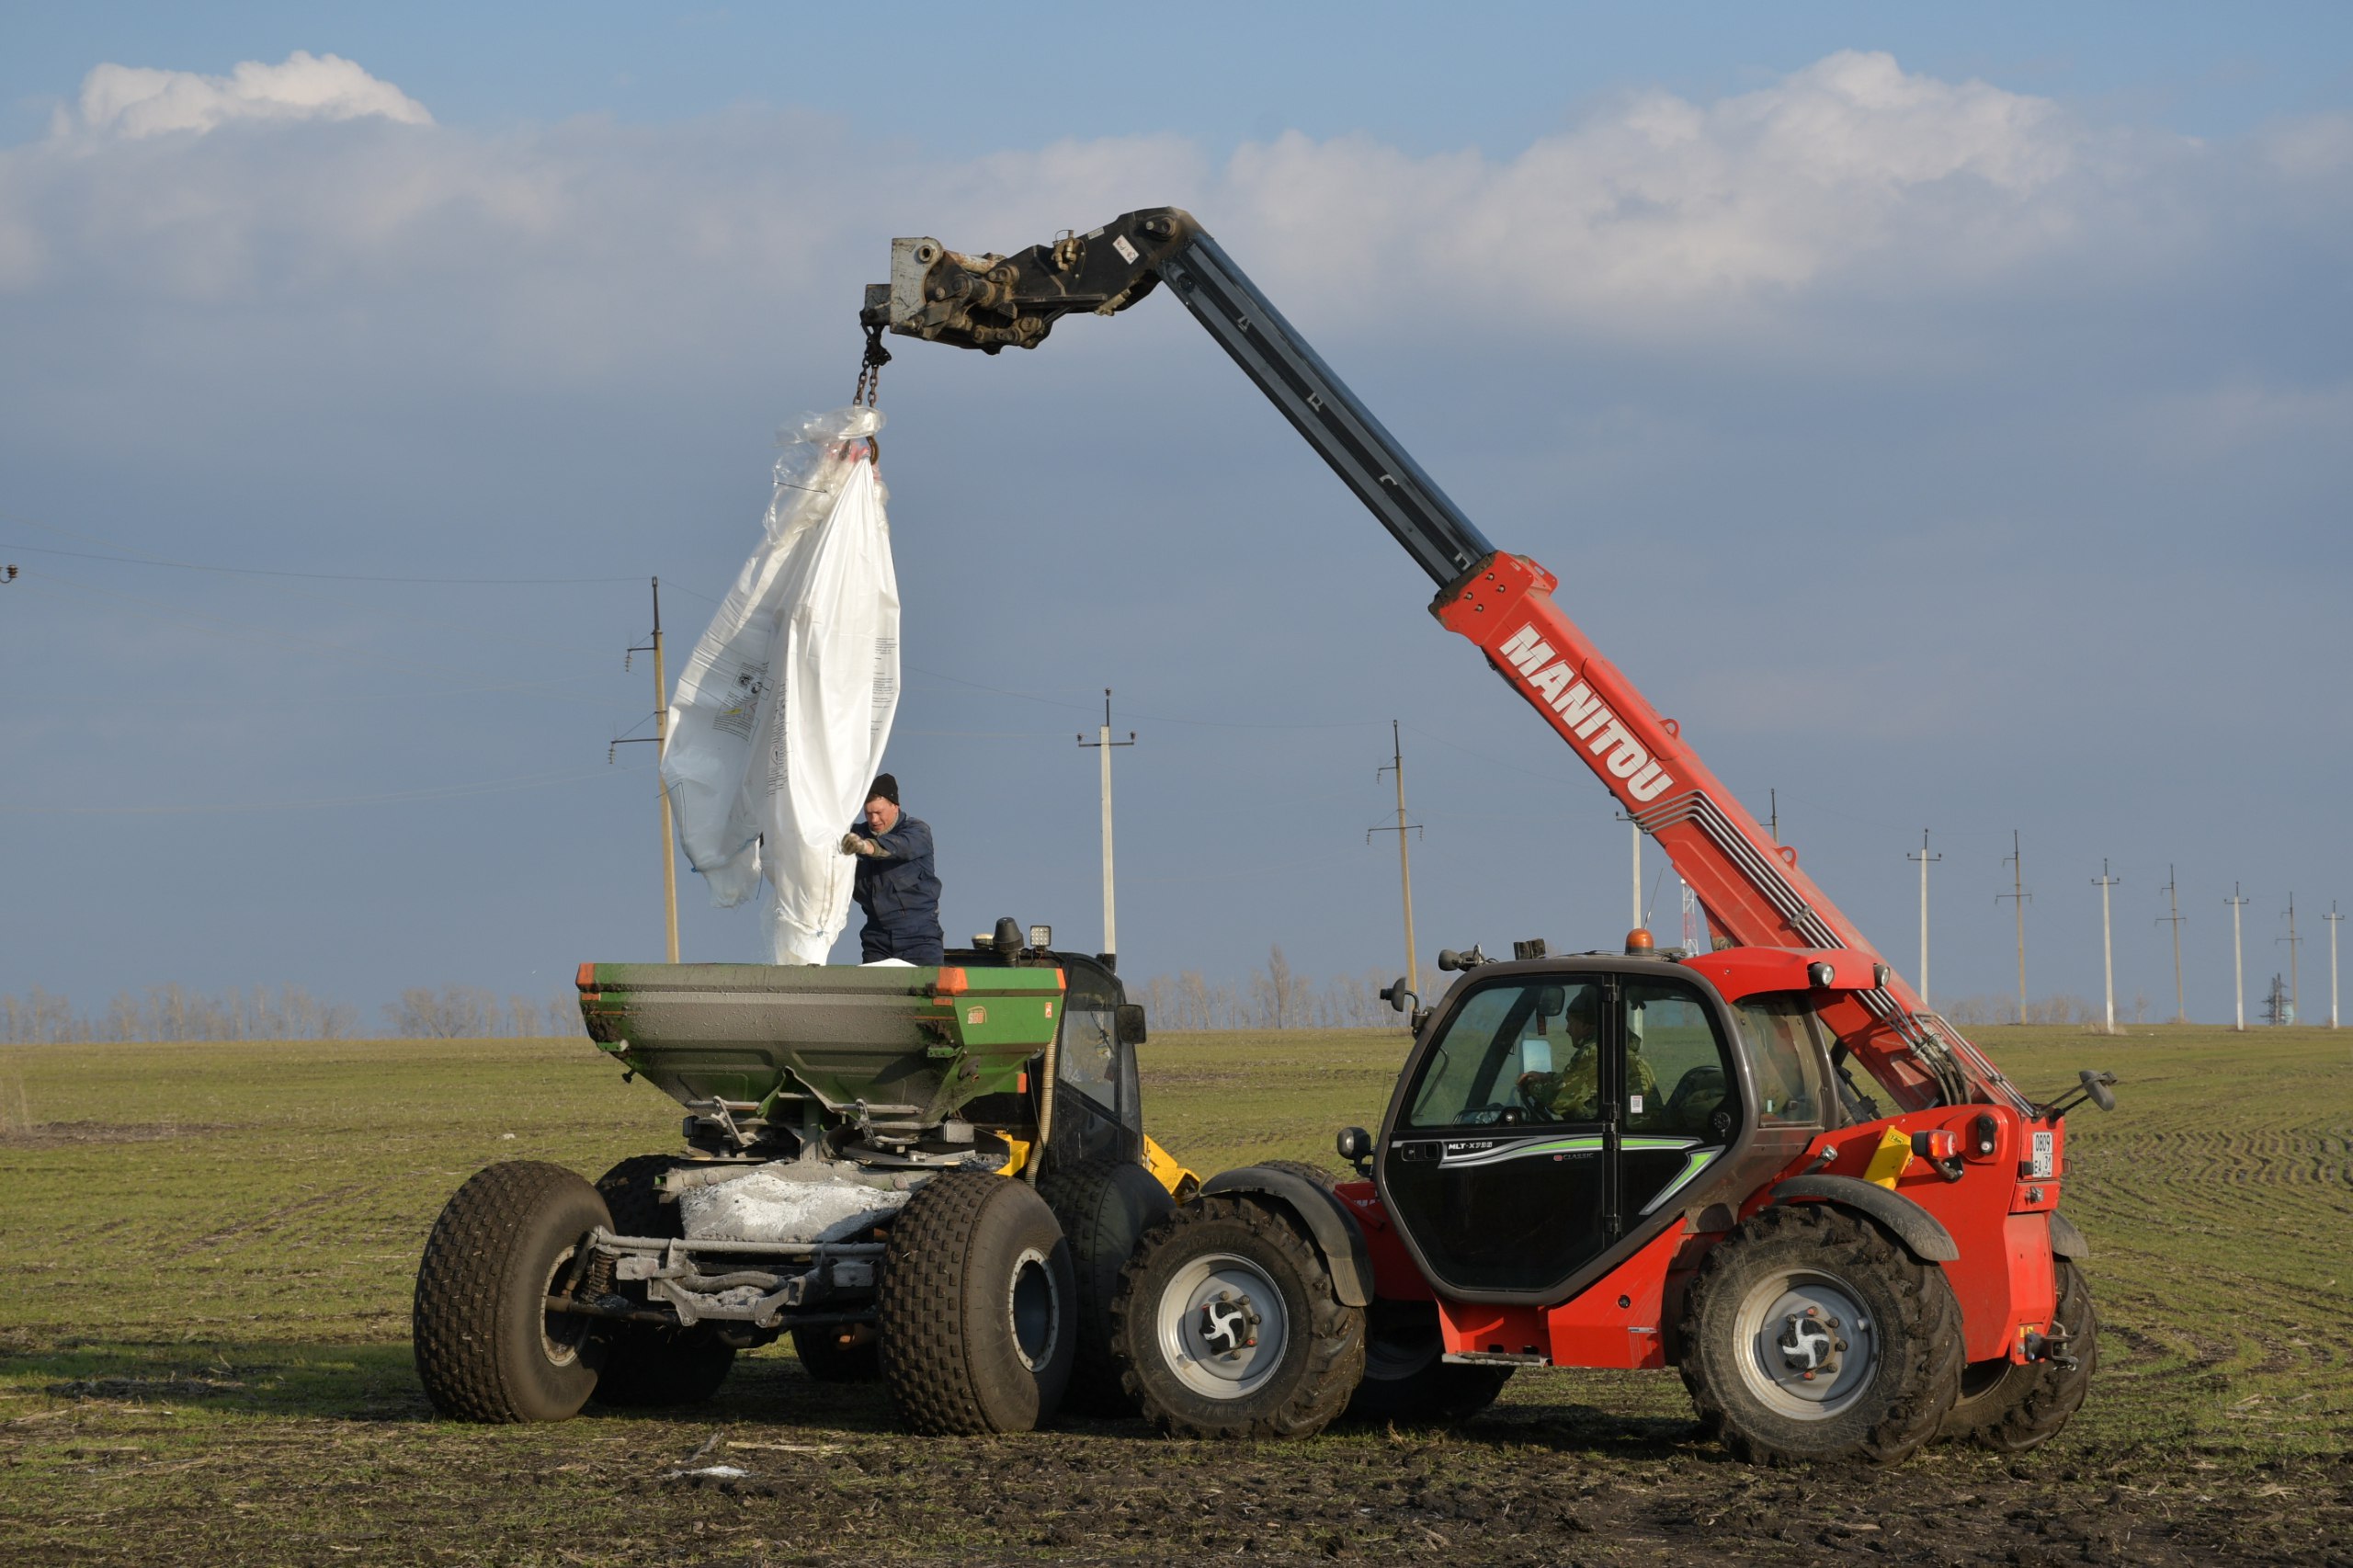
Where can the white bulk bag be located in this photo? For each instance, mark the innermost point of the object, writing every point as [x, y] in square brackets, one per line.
[782, 712]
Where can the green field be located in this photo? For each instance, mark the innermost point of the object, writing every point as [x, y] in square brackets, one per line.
[204, 1352]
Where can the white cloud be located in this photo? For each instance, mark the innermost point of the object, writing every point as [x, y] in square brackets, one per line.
[1662, 203]
[1657, 217]
[133, 101]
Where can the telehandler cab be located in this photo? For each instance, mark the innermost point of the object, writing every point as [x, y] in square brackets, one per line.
[1768, 1165]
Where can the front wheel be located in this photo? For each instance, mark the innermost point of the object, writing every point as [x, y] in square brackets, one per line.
[1810, 1334]
[2011, 1408]
[487, 1348]
[1226, 1325]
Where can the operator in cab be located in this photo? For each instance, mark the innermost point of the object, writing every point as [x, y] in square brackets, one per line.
[897, 889]
[1574, 1094]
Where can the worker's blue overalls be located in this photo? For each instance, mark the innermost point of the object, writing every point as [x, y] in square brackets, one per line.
[900, 895]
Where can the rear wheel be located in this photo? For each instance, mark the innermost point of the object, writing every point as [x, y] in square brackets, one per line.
[1226, 1325]
[1810, 1334]
[1105, 1206]
[2011, 1408]
[1407, 1377]
[976, 1306]
[648, 1367]
[487, 1349]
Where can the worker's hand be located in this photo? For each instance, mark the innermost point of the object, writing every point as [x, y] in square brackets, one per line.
[853, 845]
[1532, 1088]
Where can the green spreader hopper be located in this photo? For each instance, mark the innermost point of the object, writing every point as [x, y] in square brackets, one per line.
[892, 1047]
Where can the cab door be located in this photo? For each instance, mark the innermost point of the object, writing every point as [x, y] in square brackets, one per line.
[1498, 1162]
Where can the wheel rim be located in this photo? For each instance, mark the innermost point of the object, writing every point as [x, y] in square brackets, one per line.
[561, 1334]
[1807, 1345]
[1033, 1309]
[1222, 1327]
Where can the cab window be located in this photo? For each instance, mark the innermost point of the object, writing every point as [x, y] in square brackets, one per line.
[1515, 1052]
[1776, 1038]
[1676, 1066]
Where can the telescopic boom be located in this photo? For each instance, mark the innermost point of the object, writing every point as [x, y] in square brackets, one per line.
[1748, 885]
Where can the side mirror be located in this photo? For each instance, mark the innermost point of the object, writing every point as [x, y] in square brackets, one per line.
[2096, 1085]
[1355, 1145]
[1128, 1018]
[1399, 996]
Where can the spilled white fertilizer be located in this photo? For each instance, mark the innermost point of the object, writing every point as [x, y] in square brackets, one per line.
[787, 1201]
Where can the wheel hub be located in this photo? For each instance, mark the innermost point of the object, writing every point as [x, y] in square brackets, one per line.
[1222, 1327]
[1807, 1349]
[1809, 1343]
[1228, 1325]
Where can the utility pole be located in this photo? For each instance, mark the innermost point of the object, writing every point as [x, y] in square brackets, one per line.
[1404, 862]
[660, 740]
[2296, 999]
[1635, 830]
[2238, 959]
[2173, 902]
[2106, 948]
[1104, 743]
[2334, 919]
[2018, 895]
[1926, 859]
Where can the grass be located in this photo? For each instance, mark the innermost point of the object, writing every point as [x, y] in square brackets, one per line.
[203, 1338]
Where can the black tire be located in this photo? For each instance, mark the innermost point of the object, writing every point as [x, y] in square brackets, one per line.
[975, 1307]
[1407, 1379]
[648, 1367]
[486, 1347]
[2011, 1408]
[1306, 1169]
[840, 1353]
[1104, 1206]
[1208, 1287]
[1884, 1327]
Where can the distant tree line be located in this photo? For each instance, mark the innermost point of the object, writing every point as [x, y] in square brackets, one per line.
[172, 1012]
[1276, 997]
[1971, 1012]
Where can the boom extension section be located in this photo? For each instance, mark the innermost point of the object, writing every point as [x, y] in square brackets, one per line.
[1749, 886]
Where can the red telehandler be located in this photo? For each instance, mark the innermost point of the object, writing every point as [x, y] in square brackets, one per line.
[1767, 1165]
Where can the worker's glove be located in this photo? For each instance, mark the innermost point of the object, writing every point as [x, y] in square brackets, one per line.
[853, 845]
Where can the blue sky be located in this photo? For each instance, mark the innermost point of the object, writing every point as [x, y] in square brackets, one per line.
[1940, 413]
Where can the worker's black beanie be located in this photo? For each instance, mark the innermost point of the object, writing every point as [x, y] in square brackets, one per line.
[885, 789]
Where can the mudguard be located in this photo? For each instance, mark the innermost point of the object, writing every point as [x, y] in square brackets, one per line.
[1914, 1226]
[2066, 1239]
[1333, 1228]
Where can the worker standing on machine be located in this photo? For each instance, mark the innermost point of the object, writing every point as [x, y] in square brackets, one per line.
[897, 889]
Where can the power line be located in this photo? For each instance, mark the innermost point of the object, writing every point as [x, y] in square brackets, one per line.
[1925, 860]
[2173, 898]
[391, 797]
[2238, 959]
[2106, 948]
[2018, 894]
[1404, 862]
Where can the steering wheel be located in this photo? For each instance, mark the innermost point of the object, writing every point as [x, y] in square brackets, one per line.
[1526, 1091]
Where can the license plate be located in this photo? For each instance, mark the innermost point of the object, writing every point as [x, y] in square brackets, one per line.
[2042, 1166]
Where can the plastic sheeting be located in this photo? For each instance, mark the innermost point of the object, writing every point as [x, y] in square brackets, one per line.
[782, 712]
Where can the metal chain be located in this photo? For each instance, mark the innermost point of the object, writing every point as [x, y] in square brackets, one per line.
[870, 369]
